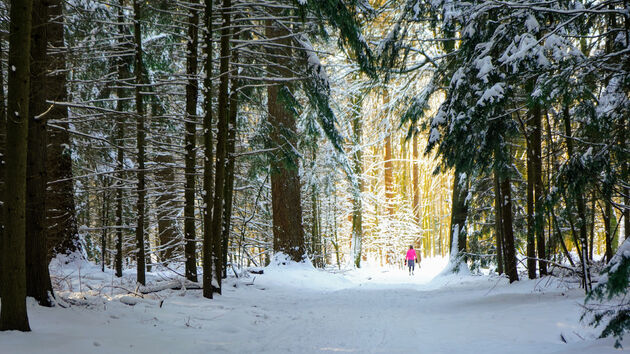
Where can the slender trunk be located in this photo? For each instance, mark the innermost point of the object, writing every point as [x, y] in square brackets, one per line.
[190, 248]
[104, 224]
[316, 234]
[415, 180]
[336, 243]
[459, 211]
[62, 230]
[586, 277]
[591, 241]
[222, 137]
[167, 228]
[539, 195]
[535, 198]
[121, 106]
[231, 159]
[285, 180]
[13, 314]
[357, 207]
[38, 284]
[388, 164]
[608, 232]
[498, 226]
[531, 232]
[208, 195]
[508, 232]
[140, 137]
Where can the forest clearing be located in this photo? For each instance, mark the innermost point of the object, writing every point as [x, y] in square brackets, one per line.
[314, 175]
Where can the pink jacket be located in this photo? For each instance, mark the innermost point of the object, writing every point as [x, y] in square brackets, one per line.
[411, 254]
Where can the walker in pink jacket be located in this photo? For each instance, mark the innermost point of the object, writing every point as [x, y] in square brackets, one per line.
[410, 259]
[411, 254]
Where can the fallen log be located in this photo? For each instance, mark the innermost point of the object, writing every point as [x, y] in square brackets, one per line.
[170, 285]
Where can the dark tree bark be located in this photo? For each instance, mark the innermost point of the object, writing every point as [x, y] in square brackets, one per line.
[508, 232]
[222, 137]
[531, 232]
[608, 230]
[140, 143]
[288, 233]
[231, 159]
[63, 235]
[13, 314]
[459, 211]
[208, 196]
[167, 231]
[104, 225]
[124, 74]
[624, 142]
[539, 194]
[38, 284]
[3, 143]
[190, 234]
[498, 225]
[581, 208]
[625, 176]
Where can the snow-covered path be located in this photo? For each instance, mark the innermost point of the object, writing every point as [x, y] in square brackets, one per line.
[296, 309]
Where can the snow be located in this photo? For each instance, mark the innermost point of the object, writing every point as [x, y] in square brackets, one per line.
[485, 67]
[434, 136]
[294, 307]
[532, 24]
[492, 94]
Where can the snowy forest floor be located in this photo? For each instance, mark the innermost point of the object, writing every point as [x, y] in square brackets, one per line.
[296, 308]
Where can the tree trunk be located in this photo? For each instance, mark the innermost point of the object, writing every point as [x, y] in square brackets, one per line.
[140, 137]
[531, 232]
[357, 207]
[498, 226]
[104, 225]
[208, 196]
[388, 163]
[38, 283]
[231, 159]
[508, 232]
[121, 106]
[416, 179]
[535, 197]
[62, 230]
[459, 211]
[625, 176]
[13, 314]
[222, 137]
[591, 240]
[285, 180]
[167, 228]
[3, 143]
[190, 248]
[539, 221]
[316, 234]
[586, 277]
[608, 231]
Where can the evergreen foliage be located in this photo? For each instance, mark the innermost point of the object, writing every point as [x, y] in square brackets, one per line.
[607, 305]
